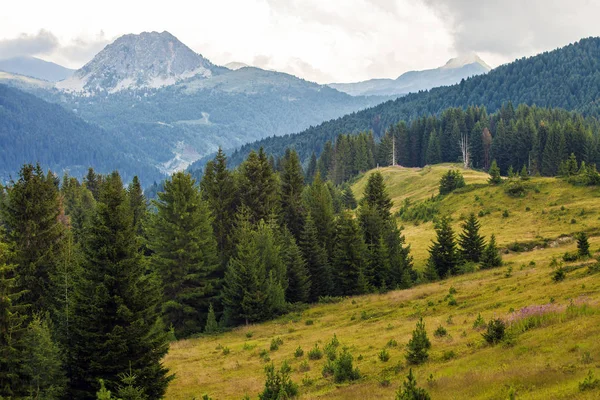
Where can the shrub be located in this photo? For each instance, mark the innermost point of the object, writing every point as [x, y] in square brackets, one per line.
[226, 350]
[450, 181]
[309, 322]
[275, 343]
[330, 299]
[278, 384]
[505, 214]
[343, 369]
[440, 332]
[315, 353]
[299, 352]
[452, 290]
[410, 391]
[327, 369]
[496, 331]
[391, 343]
[304, 366]
[589, 383]
[423, 211]
[452, 301]
[448, 355]
[568, 257]
[331, 348]
[515, 189]
[559, 274]
[384, 355]
[418, 346]
[249, 334]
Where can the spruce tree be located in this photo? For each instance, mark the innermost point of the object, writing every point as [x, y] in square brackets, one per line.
[349, 199]
[259, 187]
[34, 220]
[349, 261]
[219, 190]
[211, 321]
[116, 325]
[418, 346]
[12, 326]
[434, 152]
[376, 195]
[491, 257]
[292, 185]
[139, 206]
[316, 261]
[311, 170]
[524, 175]
[583, 245]
[245, 286]
[298, 277]
[495, 178]
[410, 391]
[184, 255]
[470, 241]
[320, 205]
[442, 253]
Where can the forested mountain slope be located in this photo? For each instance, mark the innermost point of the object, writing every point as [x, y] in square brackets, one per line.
[568, 77]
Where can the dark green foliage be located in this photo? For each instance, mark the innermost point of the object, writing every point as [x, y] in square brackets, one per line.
[219, 190]
[589, 383]
[349, 199]
[418, 346]
[320, 206]
[315, 353]
[259, 187]
[423, 211]
[184, 254]
[116, 326]
[470, 241]
[32, 217]
[211, 321]
[299, 352]
[349, 260]
[343, 369]
[440, 332]
[298, 276]
[495, 332]
[12, 327]
[583, 245]
[42, 364]
[559, 274]
[491, 257]
[410, 391]
[278, 385]
[495, 178]
[442, 253]
[384, 355]
[451, 181]
[376, 195]
[316, 261]
[292, 183]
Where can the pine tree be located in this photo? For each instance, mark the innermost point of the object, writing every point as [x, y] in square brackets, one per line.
[470, 241]
[418, 346]
[349, 199]
[116, 325]
[554, 151]
[211, 321]
[410, 391]
[312, 168]
[450, 181]
[316, 261]
[33, 216]
[12, 326]
[92, 182]
[259, 187]
[583, 245]
[434, 152]
[349, 260]
[298, 277]
[524, 175]
[320, 205]
[376, 195]
[219, 190]
[495, 178]
[244, 290]
[491, 256]
[292, 185]
[42, 364]
[184, 254]
[442, 253]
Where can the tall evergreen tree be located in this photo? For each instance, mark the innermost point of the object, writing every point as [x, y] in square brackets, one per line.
[116, 327]
[491, 256]
[376, 195]
[311, 170]
[442, 253]
[495, 178]
[139, 206]
[434, 152]
[219, 190]
[316, 261]
[298, 277]
[292, 184]
[470, 241]
[349, 261]
[184, 254]
[320, 205]
[259, 187]
[32, 214]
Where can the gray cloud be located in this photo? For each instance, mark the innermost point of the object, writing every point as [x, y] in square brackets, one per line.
[513, 28]
[81, 50]
[28, 45]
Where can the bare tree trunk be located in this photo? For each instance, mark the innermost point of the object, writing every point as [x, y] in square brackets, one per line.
[464, 148]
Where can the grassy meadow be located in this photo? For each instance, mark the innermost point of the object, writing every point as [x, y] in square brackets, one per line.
[550, 350]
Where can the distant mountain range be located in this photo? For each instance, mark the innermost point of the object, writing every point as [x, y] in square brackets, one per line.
[452, 72]
[165, 106]
[35, 68]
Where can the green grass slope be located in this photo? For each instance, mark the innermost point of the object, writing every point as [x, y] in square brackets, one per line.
[551, 350]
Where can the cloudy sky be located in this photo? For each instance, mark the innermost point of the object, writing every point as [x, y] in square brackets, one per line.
[323, 41]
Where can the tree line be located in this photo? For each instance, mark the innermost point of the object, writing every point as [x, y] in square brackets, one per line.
[95, 281]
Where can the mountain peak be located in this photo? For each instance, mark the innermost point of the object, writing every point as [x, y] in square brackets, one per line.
[139, 61]
[466, 59]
